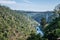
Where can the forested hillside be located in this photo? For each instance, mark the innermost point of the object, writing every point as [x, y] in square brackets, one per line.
[15, 26]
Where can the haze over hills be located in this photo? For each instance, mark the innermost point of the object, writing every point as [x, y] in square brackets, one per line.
[48, 15]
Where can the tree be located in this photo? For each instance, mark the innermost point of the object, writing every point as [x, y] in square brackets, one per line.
[43, 22]
[57, 9]
[34, 36]
[52, 31]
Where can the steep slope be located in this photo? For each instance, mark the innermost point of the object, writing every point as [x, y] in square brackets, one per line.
[15, 26]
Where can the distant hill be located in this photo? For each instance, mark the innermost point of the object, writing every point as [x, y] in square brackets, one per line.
[49, 15]
[37, 16]
[15, 25]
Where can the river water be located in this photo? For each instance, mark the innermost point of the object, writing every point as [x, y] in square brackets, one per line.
[39, 31]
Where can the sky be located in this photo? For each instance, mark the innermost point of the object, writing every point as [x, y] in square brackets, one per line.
[31, 5]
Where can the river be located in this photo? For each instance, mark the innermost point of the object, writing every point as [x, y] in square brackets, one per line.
[39, 31]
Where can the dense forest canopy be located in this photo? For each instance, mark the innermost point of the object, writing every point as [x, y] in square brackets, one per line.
[14, 25]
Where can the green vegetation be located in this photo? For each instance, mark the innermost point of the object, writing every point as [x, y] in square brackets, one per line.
[34, 36]
[14, 25]
[52, 31]
[43, 22]
[18, 26]
[57, 9]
